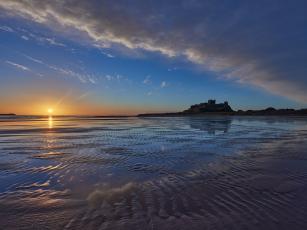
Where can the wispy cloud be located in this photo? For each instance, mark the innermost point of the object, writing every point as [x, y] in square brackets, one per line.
[24, 37]
[18, 66]
[82, 96]
[172, 69]
[6, 29]
[45, 40]
[147, 80]
[108, 54]
[27, 35]
[163, 84]
[109, 77]
[246, 42]
[83, 77]
[52, 41]
[116, 77]
[34, 59]
[91, 80]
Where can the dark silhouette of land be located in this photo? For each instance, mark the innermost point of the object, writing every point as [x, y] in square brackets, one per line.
[212, 108]
[7, 114]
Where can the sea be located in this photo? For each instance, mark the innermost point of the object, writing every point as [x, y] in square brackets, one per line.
[198, 172]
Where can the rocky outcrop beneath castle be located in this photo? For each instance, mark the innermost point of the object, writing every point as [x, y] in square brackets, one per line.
[210, 107]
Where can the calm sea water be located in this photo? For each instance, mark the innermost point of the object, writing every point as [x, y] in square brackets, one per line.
[149, 173]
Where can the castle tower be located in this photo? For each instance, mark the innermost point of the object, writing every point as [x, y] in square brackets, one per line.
[211, 102]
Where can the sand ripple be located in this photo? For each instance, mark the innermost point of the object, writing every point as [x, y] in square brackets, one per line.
[154, 173]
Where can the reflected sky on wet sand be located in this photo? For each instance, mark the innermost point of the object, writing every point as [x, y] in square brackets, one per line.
[150, 173]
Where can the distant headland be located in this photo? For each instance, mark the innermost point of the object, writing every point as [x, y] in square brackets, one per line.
[7, 114]
[213, 108]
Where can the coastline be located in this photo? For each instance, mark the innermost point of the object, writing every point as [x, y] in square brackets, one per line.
[179, 114]
[8, 114]
[212, 108]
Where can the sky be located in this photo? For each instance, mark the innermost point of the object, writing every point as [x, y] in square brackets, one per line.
[127, 57]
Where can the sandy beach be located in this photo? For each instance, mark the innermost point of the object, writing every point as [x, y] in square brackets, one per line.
[154, 173]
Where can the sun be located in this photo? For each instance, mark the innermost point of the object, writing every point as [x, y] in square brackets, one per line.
[50, 110]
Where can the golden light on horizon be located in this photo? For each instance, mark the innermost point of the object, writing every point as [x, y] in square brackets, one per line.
[50, 110]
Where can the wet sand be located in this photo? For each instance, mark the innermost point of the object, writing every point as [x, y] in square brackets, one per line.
[203, 174]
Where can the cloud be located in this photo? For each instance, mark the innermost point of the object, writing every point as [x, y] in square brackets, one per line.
[82, 77]
[252, 42]
[147, 80]
[52, 41]
[6, 29]
[108, 55]
[114, 77]
[34, 59]
[172, 69]
[163, 84]
[82, 96]
[109, 77]
[45, 40]
[18, 66]
[24, 37]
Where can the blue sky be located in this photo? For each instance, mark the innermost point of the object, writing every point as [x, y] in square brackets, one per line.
[150, 58]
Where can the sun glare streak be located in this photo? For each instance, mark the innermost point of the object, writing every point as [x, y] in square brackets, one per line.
[62, 98]
[50, 122]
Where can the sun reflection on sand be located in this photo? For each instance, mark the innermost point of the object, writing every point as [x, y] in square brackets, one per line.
[50, 122]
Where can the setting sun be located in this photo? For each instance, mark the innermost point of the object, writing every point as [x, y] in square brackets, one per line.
[50, 110]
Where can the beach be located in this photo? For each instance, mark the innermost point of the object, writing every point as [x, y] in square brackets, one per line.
[216, 172]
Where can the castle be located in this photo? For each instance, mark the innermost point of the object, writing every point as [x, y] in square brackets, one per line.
[210, 106]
